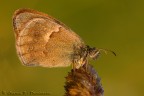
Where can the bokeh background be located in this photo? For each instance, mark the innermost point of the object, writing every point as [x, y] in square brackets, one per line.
[112, 24]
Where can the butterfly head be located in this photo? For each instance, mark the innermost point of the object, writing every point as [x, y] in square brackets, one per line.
[82, 55]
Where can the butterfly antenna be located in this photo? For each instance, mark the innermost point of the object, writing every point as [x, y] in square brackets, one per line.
[106, 51]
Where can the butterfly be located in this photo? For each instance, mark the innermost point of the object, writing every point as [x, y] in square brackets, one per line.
[42, 40]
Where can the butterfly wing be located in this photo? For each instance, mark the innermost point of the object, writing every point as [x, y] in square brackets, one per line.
[42, 40]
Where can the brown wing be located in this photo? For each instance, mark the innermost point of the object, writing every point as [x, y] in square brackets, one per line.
[42, 40]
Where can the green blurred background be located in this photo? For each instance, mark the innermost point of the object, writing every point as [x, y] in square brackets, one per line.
[112, 24]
